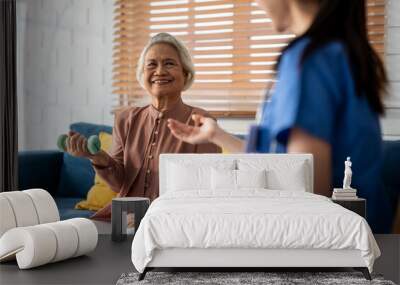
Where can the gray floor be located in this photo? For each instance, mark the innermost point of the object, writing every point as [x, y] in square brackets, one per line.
[110, 260]
[103, 266]
[389, 262]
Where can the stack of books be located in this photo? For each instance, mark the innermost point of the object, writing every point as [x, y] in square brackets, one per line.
[344, 194]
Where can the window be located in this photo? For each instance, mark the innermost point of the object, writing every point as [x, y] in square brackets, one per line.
[233, 46]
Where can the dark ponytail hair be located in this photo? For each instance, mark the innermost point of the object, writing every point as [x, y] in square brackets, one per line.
[346, 21]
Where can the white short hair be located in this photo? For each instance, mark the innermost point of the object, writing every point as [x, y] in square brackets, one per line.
[183, 53]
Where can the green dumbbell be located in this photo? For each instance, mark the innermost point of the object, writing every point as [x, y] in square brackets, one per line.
[93, 143]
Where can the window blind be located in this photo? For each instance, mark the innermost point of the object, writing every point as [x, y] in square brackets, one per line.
[232, 43]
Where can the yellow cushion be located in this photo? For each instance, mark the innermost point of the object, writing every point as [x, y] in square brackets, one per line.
[100, 194]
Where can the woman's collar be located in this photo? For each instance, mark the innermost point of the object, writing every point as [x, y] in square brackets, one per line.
[178, 111]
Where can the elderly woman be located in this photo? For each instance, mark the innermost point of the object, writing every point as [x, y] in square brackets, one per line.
[141, 134]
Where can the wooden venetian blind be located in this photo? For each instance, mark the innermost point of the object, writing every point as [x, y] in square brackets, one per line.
[376, 24]
[232, 43]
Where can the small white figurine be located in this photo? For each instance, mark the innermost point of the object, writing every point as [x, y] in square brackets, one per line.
[347, 174]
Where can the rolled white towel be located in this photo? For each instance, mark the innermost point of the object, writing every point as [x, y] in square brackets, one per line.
[26, 208]
[45, 205]
[87, 235]
[40, 244]
[32, 246]
[23, 208]
[7, 218]
[66, 239]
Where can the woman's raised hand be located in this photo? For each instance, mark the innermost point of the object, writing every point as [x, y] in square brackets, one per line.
[203, 130]
[76, 145]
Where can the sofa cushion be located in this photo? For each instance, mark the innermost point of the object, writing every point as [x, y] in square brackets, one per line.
[100, 194]
[76, 177]
[88, 129]
[67, 211]
[39, 169]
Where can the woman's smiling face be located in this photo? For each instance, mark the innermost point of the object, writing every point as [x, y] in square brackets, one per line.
[163, 72]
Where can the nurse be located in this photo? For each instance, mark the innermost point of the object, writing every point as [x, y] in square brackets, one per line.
[327, 100]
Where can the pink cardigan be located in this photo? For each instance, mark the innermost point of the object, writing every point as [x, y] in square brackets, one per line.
[140, 135]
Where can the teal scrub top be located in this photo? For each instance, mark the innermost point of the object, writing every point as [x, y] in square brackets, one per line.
[319, 96]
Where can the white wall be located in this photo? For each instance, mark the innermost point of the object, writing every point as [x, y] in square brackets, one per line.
[64, 60]
[391, 122]
[65, 69]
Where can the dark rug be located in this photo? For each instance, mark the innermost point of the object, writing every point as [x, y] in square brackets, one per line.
[269, 278]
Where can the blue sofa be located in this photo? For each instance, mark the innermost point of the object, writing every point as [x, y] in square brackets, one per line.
[69, 178]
